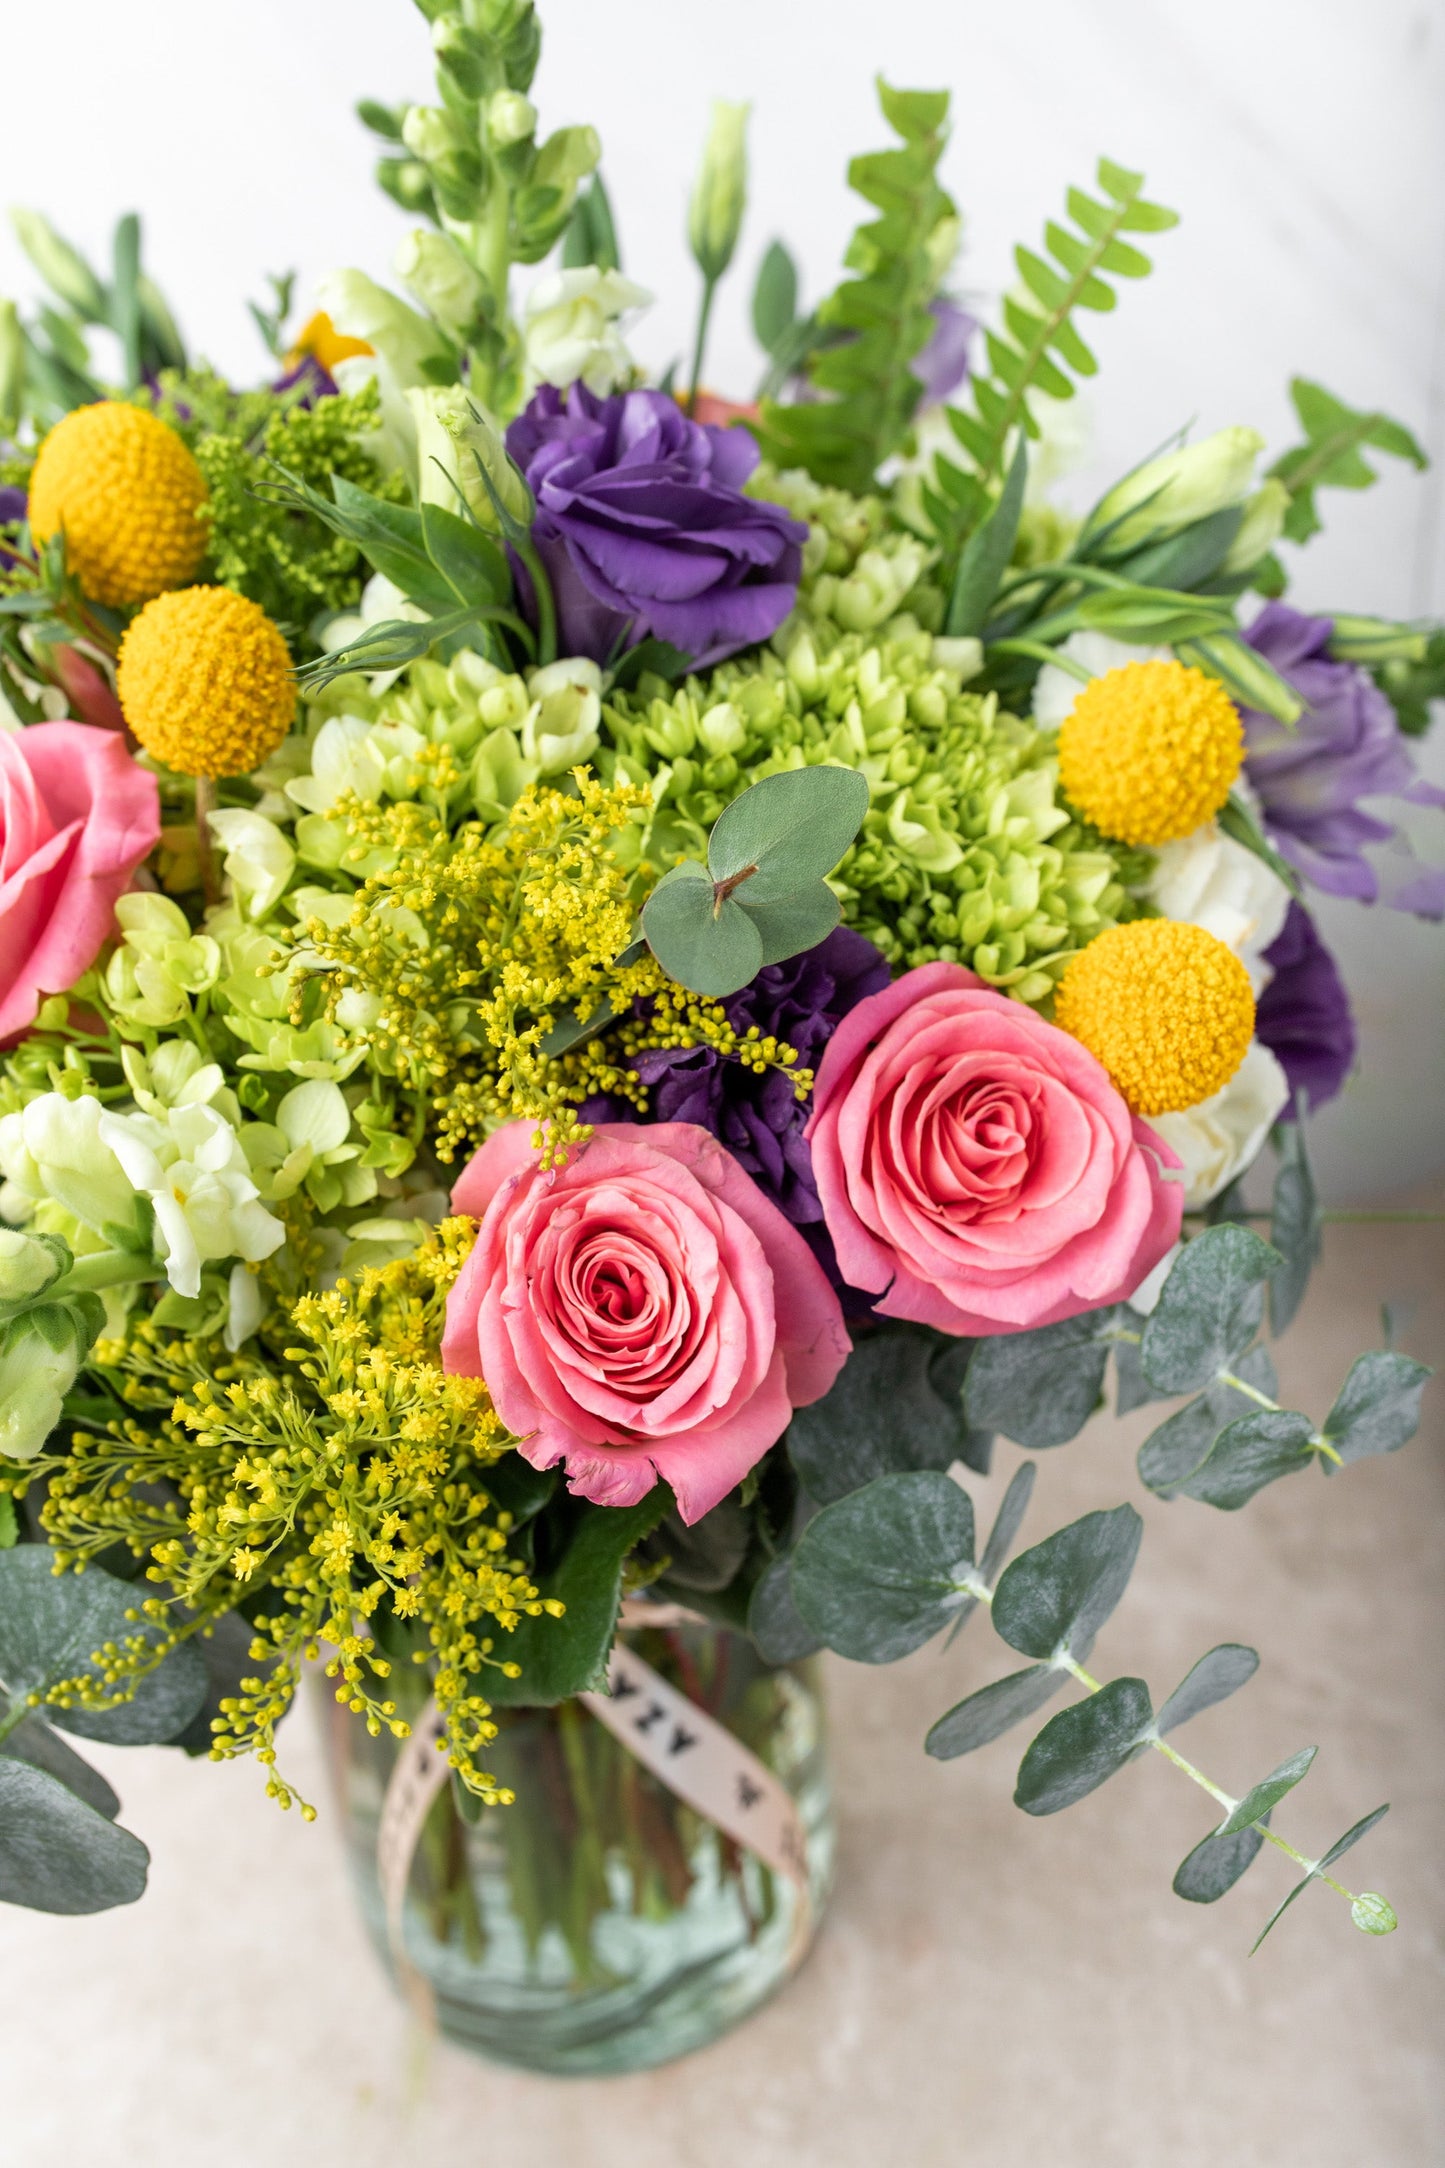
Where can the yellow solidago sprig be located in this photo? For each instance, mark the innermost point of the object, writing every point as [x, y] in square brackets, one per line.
[465, 949]
[347, 1479]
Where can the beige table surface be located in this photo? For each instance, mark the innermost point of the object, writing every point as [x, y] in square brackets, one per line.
[987, 1989]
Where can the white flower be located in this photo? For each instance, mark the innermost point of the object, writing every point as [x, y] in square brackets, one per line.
[560, 728]
[1209, 880]
[404, 346]
[192, 1168]
[259, 860]
[343, 759]
[245, 1308]
[55, 1148]
[1179, 488]
[1222, 1136]
[569, 328]
[436, 268]
[1056, 690]
[176, 1075]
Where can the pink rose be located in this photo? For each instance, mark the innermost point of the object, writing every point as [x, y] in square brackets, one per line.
[643, 1311]
[977, 1169]
[77, 816]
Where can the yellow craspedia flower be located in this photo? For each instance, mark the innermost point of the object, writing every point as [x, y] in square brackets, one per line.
[205, 681]
[1149, 752]
[1166, 1008]
[129, 496]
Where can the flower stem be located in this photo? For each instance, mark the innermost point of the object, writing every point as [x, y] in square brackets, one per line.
[205, 806]
[709, 288]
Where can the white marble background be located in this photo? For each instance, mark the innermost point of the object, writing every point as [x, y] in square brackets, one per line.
[1300, 138]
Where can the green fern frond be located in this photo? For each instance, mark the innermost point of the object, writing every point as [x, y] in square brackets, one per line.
[877, 322]
[1331, 456]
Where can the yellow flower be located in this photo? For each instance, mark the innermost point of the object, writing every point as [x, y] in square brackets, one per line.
[319, 337]
[1149, 752]
[205, 680]
[128, 495]
[1166, 1008]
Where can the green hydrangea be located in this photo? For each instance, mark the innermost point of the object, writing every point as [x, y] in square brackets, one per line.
[966, 854]
[860, 568]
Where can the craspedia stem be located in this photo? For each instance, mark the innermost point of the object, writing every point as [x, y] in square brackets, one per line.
[205, 849]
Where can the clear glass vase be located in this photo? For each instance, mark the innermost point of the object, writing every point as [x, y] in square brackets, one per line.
[600, 1924]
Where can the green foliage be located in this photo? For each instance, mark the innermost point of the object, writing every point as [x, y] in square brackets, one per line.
[1378, 1409]
[1216, 1864]
[591, 235]
[880, 316]
[988, 553]
[883, 1570]
[34, 1742]
[782, 1634]
[1083, 1746]
[1055, 1597]
[762, 895]
[62, 1641]
[57, 1854]
[985, 1716]
[889, 1411]
[1213, 1679]
[58, 371]
[1210, 1309]
[1181, 1443]
[1262, 1798]
[1040, 1388]
[1410, 687]
[1370, 1913]
[1332, 455]
[560, 1657]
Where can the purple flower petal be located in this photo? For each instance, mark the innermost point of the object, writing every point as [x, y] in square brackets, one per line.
[1303, 1015]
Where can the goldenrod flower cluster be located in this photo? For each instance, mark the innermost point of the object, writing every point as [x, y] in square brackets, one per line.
[129, 497]
[205, 681]
[1165, 1006]
[348, 1476]
[1150, 752]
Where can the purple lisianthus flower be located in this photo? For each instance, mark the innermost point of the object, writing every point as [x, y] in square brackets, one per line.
[308, 378]
[14, 506]
[643, 529]
[1345, 747]
[942, 366]
[760, 1118]
[1303, 1015]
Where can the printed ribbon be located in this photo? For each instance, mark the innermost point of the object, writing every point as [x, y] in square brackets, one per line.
[697, 1758]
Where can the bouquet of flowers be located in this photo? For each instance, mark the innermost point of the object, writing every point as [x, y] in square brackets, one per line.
[603, 988]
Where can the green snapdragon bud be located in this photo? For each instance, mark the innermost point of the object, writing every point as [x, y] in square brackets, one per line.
[511, 119]
[1260, 529]
[29, 1263]
[63, 268]
[40, 1357]
[443, 279]
[719, 196]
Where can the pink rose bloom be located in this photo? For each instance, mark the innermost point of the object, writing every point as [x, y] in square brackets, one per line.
[977, 1169]
[77, 816]
[643, 1311]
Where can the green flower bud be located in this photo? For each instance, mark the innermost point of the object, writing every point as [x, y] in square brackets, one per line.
[1178, 489]
[12, 366]
[511, 119]
[719, 196]
[40, 1357]
[1375, 640]
[64, 270]
[1373, 1914]
[566, 158]
[1260, 529]
[28, 1263]
[434, 268]
[455, 438]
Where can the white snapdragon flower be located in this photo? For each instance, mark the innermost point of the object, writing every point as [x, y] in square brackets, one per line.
[193, 1170]
[1222, 1136]
[569, 328]
[54, 1149]
[1056, 690]
[1209, 880]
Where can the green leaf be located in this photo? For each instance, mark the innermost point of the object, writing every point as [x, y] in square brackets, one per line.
[467, 558]
[1331, 456]
[1210, 1309]
[1083, 1746]
[1239, 823]
[775, 298]
[1265, 1796]
[711, 947]
[782, 1634]
[1187, 559]
[1248, 679]
[1214, 1678]
[879, 1572]
[1249, 1453]
[987, 556]
[1131, 1388]
[56, 1853]
[35, 1743]
[1183, 1441]
[1378, 1409]
[791, 828]
[1336, 1851]
[1059, 1594]
[124, 310]
[992, 1711]
[1216, 1864]
[882, 1416]
[799, 923]
[1014, 1505]
[1040, 1388]
[564, 1656]
[1295, 1228]
[390, 645]
[51, 1627]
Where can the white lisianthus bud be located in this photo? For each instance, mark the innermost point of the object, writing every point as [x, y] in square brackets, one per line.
[455, 436]
[1260, 529]
[1174, 491]
[719, 196]
[1222, 1136]
[569, 328]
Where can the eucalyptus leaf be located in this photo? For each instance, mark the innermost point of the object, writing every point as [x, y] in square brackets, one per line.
[1059, 1594]
[793, 828]
[1040, 1388]
[992, 1711]
[782, 1634]
[879, 1572]
[775, 297]
[1216, 1864]
[51, 1627]
[1183, 1441]
[1295, 1228]
[1009, 1520]
[1083, 1746]
[1131, 1388]
[1264, 1797]
[1209, 1310]
[710, 946]
[1378, 1409]
[1213, 1679]
[561, 1657]
[59, 1855]
[799, 922]
[34, 1742]
[1249, 1453]
[1337, 1851]
[882, 1416]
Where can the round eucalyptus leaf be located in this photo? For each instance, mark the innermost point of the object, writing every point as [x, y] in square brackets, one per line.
[1216, 1864]
[56, 1853]
[792, 827]
[1040, 1388]
[1210, 1309]
[1214, 1678]
[1059, 1594]
[879, 1572]
[1183, 1441]
[1083, 1746]
[1378, 1409]
[883, 1415]
[794, 923]
[34, 1742]
[1264, 1797]
[992, 1711]
[709, 947]
[51, 1627]
[1254, 1450]
[779, 1629]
